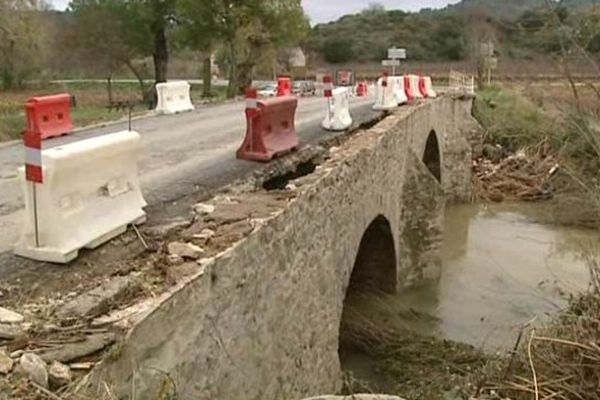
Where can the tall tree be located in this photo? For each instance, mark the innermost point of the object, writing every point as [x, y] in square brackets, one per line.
[21, 40]
[247, 29]
[142, 25]
[201, 31]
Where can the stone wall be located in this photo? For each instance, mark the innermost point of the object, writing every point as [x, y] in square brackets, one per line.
[262, 320]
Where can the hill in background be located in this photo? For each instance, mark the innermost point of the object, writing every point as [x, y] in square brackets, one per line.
[519, 27]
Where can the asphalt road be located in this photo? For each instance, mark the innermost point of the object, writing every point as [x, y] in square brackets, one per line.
[181, 155]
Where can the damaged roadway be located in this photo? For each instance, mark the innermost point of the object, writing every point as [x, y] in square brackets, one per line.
[184, 159]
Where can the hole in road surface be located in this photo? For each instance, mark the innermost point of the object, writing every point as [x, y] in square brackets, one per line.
[280, 182]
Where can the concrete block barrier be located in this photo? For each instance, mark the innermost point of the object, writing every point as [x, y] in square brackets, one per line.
[338, 111]
[90, 194]
[173, 97]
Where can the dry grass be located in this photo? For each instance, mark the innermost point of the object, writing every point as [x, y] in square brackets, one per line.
[557, 361]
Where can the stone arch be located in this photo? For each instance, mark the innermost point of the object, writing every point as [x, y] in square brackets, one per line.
[375, 263]
[432, 156]
[374, 272]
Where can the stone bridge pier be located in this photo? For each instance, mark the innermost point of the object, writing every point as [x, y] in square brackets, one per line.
[262, 320]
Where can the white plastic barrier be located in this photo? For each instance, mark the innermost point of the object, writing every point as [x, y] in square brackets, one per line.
[173, 97]
[385, 99]
[429, 87]
[90, 195]
[414, 84]
[338, 111]
[397, 83]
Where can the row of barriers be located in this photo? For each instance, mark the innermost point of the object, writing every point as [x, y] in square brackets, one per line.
[392, 91]
[82, 194]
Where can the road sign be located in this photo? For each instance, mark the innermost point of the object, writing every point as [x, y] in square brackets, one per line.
[390, 63]
[396, 54]
[487, 49]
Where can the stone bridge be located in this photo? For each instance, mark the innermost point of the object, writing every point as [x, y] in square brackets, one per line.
[261, 320]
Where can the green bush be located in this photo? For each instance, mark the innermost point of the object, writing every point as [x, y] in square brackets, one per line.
[510, 119]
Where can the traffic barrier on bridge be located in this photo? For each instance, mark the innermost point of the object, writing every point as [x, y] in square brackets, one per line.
[414, 85]
[384, 95]
[49, 116]
[284, 86]
[426, 87]
[173, 97]
[362, 89]
[397, 83]
[271, 129]
[90, 195]
[408, 89]
[338, 111]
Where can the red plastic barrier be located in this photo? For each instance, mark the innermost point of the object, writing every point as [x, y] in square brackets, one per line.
[422, 87]
[328, 86]
[362, 89]
[49, 116]
[284, 86]
[271, 130]
[408, 89]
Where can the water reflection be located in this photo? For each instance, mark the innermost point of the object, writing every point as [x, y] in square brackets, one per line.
[501, 269]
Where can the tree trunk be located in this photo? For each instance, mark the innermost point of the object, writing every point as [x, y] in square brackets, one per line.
[207, 76]
[232, 87]
[109, 89]
[244, 76]
[160, 55]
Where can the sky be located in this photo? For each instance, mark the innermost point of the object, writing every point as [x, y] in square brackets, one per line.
[329, 10]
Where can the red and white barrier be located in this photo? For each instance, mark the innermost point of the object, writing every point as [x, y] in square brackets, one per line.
[397, 83]
[33, 157]
[89, 194]
[384, 95]
[49, 116]
[338, 111]
[426, 87]
[270, 127]
[414, 85]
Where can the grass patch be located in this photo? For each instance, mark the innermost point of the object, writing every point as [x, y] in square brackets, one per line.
[509, 118]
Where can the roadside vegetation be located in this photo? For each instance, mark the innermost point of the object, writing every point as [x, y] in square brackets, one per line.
[91, 103]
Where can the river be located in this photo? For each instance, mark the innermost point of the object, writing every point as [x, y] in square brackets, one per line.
[502, 268]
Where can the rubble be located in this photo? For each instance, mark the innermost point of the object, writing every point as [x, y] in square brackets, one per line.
[185, 250]
[59, 375]
[10, 317]
[74, 351]
[99, 300]
[6, 363]
[204, 209]
[35, 368]
[10, 331]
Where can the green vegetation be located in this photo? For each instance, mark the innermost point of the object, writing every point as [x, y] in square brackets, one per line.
[520, 29]
[91, 100]
[510, 119]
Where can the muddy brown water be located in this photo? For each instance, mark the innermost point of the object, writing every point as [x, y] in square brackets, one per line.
[501, 269]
